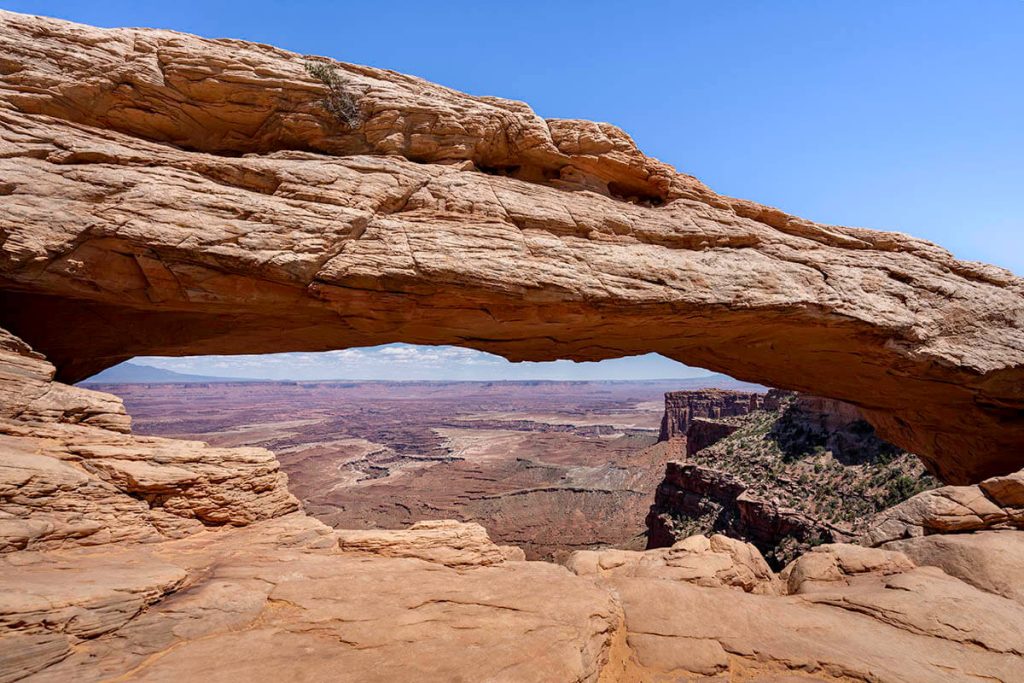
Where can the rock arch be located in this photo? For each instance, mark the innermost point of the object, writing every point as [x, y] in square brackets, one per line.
[166, 194]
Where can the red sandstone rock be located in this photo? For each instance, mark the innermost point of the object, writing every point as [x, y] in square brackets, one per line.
[28, 392]
[447, 542]
[703, 433]
[682, 407]
[950, 509]
[207, 252]
[282, 598]
[990, 560]
[827, 566]
[166, 194]
[69, 475]
[718, 561]
[690, 491]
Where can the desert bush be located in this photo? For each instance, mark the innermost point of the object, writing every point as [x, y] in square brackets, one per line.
[901, 488]
[339, 101]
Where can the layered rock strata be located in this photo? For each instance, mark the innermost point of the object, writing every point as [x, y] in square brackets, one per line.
[717, 500]
[72, 475]
[797, 471]
[131, 211]
[702, 433]
[715, 562]
[202, 569]
[840, 613]
[996, 503]
[683, 407]
[279, 600]
[164, 194]
[447, 542]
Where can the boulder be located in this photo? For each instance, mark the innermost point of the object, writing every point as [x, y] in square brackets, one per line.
[447, 542]
[834, 564]
[949, 509]
[718, 561]
[992, 561]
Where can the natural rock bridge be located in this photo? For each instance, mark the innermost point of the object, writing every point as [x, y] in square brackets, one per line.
[165, 194]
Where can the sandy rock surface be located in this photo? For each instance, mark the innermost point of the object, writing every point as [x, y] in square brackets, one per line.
[137, 558]
[64, 485]
[447, 542]
[717, 561]
[279, 601]
[994, 504]
[991, 560]
[167, 194]
[162, 193]
[915, 626]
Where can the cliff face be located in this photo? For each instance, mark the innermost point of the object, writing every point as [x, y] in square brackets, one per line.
[706, 432]
[151, 558]
[136, 558]
[164, 194]
[71, 474]
[692, 499]
[682, 407]
[798, 471]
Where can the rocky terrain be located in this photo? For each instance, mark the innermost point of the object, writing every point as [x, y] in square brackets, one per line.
[165, 194]
[682, 408]
[141, 558]
[162, 193]
[551, 467]
[793, 472]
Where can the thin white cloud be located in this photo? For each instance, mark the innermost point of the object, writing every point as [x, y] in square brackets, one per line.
[409, 362]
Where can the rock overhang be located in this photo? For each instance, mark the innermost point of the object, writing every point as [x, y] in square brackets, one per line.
[166, 194]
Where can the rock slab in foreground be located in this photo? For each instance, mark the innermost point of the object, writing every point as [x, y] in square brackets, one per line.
[140, 559]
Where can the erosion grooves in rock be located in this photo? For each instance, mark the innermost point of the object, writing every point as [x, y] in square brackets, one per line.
[136, 558]
[166, 194]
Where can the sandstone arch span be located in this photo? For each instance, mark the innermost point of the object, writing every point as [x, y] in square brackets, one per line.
[166, 194]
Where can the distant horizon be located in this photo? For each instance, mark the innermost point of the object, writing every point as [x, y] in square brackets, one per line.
[407, 362]
[335, 380]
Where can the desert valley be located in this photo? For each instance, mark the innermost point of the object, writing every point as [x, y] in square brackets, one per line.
[850, 509]
[548, 466]
[551, 467]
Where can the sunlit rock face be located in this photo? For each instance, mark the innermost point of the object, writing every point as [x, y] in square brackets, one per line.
[160, 193]
[782, 470]
[167, 194]
[135, 558]
[683, 407]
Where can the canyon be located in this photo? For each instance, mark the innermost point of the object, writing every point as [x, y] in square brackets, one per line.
[780, 470]
[683, 408]
[555, 467]
[144, 558]
[164, 194]
[443, 218]
[550, 467]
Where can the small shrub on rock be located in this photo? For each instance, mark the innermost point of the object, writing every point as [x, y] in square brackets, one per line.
[339, 101]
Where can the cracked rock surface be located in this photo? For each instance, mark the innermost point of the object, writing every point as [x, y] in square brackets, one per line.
[167, 194]
[144, 559]
[161, 193]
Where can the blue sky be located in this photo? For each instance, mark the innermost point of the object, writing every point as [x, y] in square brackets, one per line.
[895, 114]
[408, 362]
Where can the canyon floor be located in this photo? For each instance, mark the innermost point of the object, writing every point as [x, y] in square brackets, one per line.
[549, 466]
